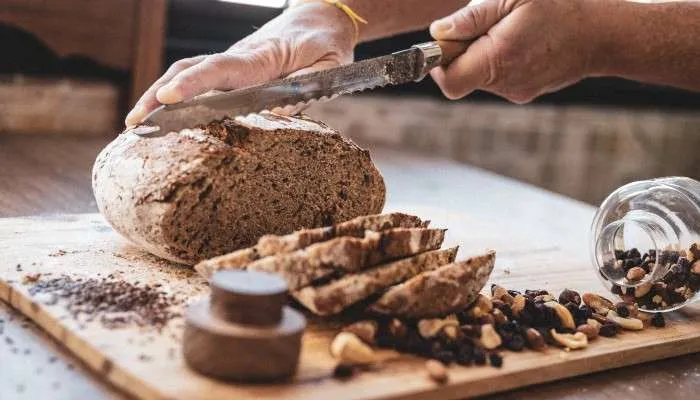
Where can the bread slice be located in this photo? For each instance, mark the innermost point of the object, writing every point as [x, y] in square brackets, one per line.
[348, 254]
[269, 245]
[206, 191]
[439, 292]
[341, 293]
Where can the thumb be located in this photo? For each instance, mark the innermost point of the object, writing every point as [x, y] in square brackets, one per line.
[469, 22]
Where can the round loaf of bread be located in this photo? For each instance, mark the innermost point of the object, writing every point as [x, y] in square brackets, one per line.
[200, 193]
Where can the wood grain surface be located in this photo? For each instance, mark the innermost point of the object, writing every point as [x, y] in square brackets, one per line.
[147, 363]
[49, 175]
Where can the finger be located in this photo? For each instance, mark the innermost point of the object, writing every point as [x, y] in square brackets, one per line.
[148, 101]
[468, 72]
[218, 71]
[294, 109]
[469, 22]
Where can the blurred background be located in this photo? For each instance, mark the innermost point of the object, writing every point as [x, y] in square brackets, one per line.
[70, 70]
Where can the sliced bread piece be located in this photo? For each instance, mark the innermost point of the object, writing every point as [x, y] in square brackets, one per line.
[341, 293]
[439, 292]
[269, 245]
[348, 254]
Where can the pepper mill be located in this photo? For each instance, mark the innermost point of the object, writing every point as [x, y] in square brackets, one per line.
[244, 331]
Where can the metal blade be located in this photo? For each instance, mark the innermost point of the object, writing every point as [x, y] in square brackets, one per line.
[401, 67]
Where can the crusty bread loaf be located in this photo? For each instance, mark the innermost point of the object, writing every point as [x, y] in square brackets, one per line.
[200, 193]
[270, 245]
[348, 254]
[439, 292]
[336, 296]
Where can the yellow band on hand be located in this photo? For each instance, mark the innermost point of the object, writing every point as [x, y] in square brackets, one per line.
[354, 17]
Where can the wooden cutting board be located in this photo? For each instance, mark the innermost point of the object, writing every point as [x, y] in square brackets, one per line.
[148, 364]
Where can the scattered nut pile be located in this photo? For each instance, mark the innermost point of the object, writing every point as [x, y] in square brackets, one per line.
[680, 283]
[115, 302]
[506, 320]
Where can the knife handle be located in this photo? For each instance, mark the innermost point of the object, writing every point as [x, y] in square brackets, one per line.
[441, 52]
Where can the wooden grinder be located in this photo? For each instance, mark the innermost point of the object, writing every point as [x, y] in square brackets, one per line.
[244, 332]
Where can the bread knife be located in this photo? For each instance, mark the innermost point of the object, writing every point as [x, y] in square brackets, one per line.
[410, 65]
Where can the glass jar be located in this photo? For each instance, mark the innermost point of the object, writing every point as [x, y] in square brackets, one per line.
[644, 243]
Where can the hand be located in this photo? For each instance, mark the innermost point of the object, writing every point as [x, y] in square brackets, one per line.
[303, 39]
[523, 48]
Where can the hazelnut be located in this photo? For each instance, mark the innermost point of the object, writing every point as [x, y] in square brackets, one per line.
[436, 371]
[489, 337]
[366, 330]
[348, 349]
[535, 339]
[597, 303]
[572, 341]
[633, 324]
[570, 296]
[636, 274]
[591, 331]
[518, 305]
[431, 327]
[564, 315]
[500, 293]
[643, 289]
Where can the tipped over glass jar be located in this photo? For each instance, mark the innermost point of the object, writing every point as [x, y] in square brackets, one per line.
[645, 243]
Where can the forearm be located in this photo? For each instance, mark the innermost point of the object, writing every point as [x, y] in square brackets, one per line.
[654, 43]
[390, 17]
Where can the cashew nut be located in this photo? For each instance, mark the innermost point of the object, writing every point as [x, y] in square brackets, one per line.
[572, 341]
[490, 339]
[565, 317]
[633, 324]
[598, 303]
[518, 305]
[365, 330]
[350, 350]
[431, 327]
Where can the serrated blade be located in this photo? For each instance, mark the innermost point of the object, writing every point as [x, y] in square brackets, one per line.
[397, 68]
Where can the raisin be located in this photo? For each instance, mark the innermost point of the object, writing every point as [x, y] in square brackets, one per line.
[616, 290]
[658, 320]
[569, 296]
[608, 330]
[622, 310]
[465, 355]
[619, 254]
[632, 253]
[445, 356]
[496, 360]
[515, 343]
[479, 356]
[343, 371]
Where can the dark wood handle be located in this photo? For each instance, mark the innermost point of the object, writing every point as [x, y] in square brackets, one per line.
[452, 49]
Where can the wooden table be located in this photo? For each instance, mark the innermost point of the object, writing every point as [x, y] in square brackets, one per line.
[51, 175]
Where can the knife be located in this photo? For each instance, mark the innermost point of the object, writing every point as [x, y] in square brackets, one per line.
[410, 65]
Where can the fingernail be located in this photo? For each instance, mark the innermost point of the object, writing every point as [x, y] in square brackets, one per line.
[441, 26]
[135, 115]
[169, 94]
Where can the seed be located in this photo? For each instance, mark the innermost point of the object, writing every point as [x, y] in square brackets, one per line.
[436, 371]
[636, 274]
[569, 296]
[658, 320]
[496, 360]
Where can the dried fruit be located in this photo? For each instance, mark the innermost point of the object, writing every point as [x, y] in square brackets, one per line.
[535, 339]
[471, 330]
[608, 329]
[499, 317]
[569, 296]
[489, 337]
[591, 331]
[496, 360]
[343, 371]
[572, 341]
[658, 320]
[436, 371]
[348, 349]
[366, 330]
[565, 317]
[597, 303]
[479, 356]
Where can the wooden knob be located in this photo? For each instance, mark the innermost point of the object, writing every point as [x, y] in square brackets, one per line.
[248, 297]
[244, 332]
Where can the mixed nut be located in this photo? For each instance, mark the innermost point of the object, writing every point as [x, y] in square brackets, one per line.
[507, 320]
[677, 286]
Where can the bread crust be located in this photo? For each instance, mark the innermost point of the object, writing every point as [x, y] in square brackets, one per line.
[199, 193]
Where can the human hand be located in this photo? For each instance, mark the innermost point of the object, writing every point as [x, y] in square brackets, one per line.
[305, 38]
[523, 48]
